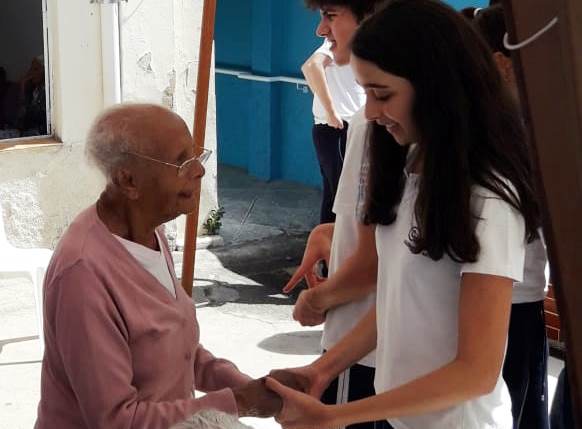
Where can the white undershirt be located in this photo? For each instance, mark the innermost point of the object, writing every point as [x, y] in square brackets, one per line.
[152, 261]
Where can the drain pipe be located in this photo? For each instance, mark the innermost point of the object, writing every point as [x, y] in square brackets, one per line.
[110, 51]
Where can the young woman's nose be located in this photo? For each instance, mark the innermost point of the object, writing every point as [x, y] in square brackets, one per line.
[372, 110]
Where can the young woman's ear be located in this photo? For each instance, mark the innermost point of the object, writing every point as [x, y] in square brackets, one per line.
[505, 67]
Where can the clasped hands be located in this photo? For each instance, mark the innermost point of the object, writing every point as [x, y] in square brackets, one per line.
[291, 395]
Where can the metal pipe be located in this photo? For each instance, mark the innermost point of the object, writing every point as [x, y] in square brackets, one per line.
[110, 53]
[241, 74]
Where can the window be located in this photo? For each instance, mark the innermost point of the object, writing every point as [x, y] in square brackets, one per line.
[24, 70]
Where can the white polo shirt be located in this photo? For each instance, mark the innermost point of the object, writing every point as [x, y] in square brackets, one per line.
[418, 306]
[341, 320]
[347, 96]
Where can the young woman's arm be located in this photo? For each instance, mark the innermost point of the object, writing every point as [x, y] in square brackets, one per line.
[314, 378]
[484, 307]
[354, 279]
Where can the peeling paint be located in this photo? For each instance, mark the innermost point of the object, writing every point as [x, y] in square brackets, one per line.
[145, 62]
[168, 97]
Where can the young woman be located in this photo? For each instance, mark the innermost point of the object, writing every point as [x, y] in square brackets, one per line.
[454, 210]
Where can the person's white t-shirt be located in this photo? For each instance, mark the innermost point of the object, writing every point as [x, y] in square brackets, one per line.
[418, 306]
[341, 320]
[153, 261]
[534, 286]
[347, 96]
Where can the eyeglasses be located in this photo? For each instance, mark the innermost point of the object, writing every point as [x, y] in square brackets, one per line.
[183, 168]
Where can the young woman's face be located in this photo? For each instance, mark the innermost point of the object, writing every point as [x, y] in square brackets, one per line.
[389, 100]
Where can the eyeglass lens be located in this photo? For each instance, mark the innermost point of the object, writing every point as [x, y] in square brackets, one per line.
[189, 164]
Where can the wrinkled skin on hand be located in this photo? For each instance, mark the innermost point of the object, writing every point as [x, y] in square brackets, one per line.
[256, 400]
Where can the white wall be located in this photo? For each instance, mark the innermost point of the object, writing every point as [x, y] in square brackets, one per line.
[160, 40]
[20, 35]
[42, 189]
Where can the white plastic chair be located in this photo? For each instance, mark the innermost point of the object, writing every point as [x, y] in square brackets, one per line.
[29, 262]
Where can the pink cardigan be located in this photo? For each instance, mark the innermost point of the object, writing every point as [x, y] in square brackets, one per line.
[121, 352]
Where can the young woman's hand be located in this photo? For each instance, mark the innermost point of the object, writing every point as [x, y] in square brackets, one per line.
[300, 411]
[318, 248]
[308, 310]
[305, 379]
[256, 400]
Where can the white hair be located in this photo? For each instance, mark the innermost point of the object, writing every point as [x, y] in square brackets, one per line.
[119, 130]
[211, 419]
[110, 137]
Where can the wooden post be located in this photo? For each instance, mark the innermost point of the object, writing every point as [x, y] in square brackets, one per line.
[201, 106]
[549, 72]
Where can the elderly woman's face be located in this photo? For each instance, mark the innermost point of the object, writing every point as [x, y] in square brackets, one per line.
[163, 190]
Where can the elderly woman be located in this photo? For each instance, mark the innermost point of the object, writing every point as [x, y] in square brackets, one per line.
[122, 340]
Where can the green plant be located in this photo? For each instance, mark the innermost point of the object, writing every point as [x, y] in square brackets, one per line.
[213, 223]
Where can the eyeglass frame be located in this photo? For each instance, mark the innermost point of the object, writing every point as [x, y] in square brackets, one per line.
[202, 158]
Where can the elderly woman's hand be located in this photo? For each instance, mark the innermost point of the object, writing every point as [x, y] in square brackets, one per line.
[255, 400]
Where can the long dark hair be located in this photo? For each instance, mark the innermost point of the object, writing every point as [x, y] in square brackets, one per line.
[470, 131]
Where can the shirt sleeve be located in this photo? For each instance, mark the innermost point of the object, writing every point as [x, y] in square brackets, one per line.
[351, 190]
[501, 233]
[92, 344]
[213, 374]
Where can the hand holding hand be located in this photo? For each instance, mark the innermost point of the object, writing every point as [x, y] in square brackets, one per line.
[255, 400]
[304, 379]
[300, 411]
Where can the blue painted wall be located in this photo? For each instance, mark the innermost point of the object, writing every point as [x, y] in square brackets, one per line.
[232, 34]
[265, 128]
[459, 4]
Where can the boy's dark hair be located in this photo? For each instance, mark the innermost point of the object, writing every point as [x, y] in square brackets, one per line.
[360, 8]
[469, 128]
